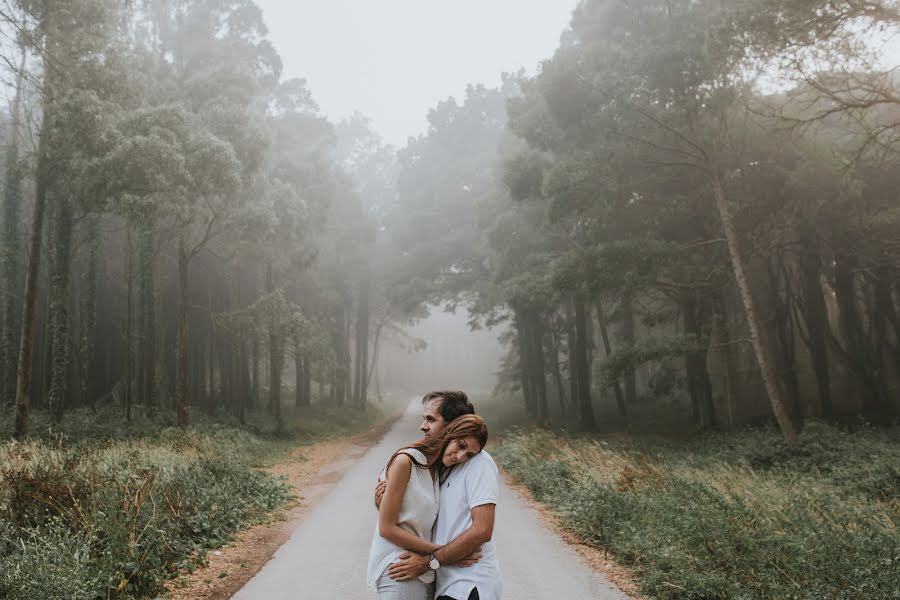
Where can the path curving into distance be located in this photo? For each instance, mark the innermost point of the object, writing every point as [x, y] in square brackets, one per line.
[326, 556]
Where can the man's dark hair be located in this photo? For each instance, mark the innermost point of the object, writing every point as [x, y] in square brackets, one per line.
[454, 403]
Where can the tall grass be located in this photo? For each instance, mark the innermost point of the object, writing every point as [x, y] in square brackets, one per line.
[736, 515]
[99, 510]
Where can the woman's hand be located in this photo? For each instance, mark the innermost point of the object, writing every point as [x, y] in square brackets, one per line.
[470, 559]
[408, 566]
[379, 492]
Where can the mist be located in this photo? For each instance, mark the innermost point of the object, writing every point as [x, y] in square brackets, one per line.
[441, 352]
[242, 208]
[656, 242]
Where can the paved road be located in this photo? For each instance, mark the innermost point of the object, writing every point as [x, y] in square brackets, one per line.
[326, 557]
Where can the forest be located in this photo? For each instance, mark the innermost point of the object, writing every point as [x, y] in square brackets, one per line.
[650, 220]
[686, 221]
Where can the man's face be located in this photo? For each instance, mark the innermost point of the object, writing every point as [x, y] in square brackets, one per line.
[432, 421]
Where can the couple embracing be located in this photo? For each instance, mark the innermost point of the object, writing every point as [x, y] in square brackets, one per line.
[437, 499]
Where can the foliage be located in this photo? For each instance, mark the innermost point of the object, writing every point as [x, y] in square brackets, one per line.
[647, 349]
[101, 515]
[735, 515]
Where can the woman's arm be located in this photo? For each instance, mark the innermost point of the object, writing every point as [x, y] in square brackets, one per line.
[397, 479]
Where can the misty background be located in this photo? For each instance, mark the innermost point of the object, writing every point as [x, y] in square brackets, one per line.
[662, 237]
[365, 56]
[602, 214]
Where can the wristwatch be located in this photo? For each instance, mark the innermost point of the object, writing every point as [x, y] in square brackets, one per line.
[433, 564]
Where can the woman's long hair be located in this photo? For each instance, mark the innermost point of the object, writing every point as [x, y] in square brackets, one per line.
[433, 447]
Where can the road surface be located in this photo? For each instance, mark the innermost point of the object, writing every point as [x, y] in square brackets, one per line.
[326, 557]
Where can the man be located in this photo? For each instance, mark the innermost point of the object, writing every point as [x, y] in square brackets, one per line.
[438, 409]
[465, 522]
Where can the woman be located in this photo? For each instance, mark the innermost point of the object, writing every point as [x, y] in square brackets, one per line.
[410, 504]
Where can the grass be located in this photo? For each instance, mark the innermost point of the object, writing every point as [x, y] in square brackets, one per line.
[100, 509]
[736, 515]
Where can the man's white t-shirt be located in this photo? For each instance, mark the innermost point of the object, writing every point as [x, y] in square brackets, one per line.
[475, 483]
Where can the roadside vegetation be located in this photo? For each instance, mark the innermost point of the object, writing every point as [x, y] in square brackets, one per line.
[738, 515]
[96, 511]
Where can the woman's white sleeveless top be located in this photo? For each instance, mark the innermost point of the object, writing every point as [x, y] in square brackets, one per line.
[417, 515]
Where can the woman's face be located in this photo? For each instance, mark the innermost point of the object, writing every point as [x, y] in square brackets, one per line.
[461, 450]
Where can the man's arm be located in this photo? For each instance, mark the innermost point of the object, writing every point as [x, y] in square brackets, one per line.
[479, 532]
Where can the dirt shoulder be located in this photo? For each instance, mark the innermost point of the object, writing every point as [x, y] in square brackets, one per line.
[311, 471]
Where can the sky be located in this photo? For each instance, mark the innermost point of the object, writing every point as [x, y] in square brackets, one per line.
[393, 60]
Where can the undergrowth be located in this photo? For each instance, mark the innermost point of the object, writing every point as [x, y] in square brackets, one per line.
[736, 515]
[97, 509]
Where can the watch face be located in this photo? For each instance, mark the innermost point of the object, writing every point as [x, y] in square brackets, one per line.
[434, 564]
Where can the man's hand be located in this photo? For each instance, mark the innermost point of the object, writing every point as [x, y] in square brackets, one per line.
[408, 566]
[470, 559]
[379, 492]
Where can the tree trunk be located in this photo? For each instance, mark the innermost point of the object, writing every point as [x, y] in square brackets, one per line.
[60, 259]
[630, 373]
[570, 347]
[209, 390]
[9, 247]
[762, 355]
[859, 356]
[604, 334]
[42, 373]
[345, 350]
[300, 368]
[29, 303]
[889, 329]
[276, 351]
[181, 384]
[254, 368]
[699, 385]
[522, 336]
[721, 336]
[197, 376]
[245, 375]
[374, 362]
[815, 317]
[87, 345]
[783, 322]
[557, 375]
[537, 367]
[339, 381]
[362, 342]
[129, 326]
[585, 404]
[147, 295]
[307, 381]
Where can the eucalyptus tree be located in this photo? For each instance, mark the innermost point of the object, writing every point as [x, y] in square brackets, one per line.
[449, 192]
[73, 91]
[446, 177]
[522, 261]
[841, 94]
[10, 217]
[372, 167]
[663, 75]
[298, 181]
[215, 60]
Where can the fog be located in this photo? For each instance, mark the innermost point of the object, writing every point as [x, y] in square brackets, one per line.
[441, 352]
[393, 61]
[675, 211]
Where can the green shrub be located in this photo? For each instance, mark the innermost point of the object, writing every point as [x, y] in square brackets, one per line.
[99, 509]
[49, 562]
[118, 520]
